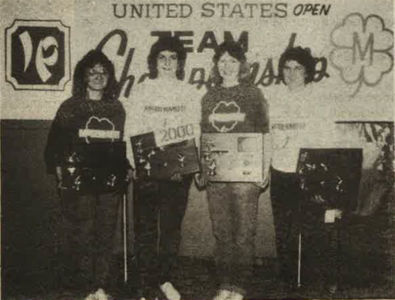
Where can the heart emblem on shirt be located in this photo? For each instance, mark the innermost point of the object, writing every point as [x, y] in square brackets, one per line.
[225, 116]
[99, 129]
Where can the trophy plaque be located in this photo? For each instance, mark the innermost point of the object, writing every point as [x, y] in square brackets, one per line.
[95, 168]
[160, 162]
[232, 157]
[332, 174]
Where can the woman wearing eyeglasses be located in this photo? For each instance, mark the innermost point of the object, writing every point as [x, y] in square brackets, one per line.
[91, 115]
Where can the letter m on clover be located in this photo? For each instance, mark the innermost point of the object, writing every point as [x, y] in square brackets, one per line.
[38, 55]
[362, 50]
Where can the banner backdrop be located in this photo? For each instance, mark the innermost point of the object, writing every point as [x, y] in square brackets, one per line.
[351, 40]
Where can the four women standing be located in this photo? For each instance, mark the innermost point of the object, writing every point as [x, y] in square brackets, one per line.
[165, 101]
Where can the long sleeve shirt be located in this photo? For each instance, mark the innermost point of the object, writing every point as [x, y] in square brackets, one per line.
[161, 106]
[82, 121]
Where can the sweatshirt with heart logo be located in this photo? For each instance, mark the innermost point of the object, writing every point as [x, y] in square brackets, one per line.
[82, 121]
[237, 109]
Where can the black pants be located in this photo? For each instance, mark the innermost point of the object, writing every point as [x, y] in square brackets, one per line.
[286, 199]
[320, 246]
[319, 241]
[159, 210]
[89, 224]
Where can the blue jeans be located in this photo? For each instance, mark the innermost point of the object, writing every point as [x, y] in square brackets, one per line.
[233, 211]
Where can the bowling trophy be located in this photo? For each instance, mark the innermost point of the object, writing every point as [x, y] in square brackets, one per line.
[232, 157]
[95, 168]
[160, 162]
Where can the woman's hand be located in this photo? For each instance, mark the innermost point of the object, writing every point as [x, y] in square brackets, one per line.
[265, 180]
[59, 177]
[177, 177]
[318, 199]
[132, 174]
[200, 181]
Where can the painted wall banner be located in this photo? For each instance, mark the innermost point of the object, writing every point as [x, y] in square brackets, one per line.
[352, 42]
[362, 50]
[38, 55]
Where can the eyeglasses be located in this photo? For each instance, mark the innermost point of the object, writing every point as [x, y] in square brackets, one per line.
[93, 73]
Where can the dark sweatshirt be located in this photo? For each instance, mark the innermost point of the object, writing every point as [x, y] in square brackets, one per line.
[82, 121]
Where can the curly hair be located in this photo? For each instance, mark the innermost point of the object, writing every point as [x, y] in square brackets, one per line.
[303, 57]
[91, 59]
[235, 50]
[168, 43]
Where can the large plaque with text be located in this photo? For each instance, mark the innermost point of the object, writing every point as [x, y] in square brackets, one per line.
[232, 157]
[95, 168]
[156, 161]
[330, 177]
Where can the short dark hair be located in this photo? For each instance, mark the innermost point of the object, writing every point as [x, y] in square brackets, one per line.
[167, 43]
[91, 59]
[235, 50]
[303, 57]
